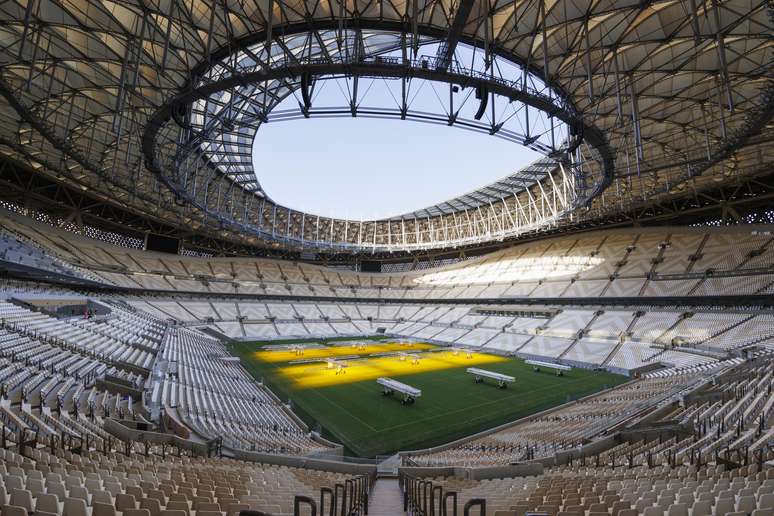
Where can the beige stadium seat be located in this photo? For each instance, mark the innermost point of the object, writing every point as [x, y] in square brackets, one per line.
[618, 506]
[47, 503]
[653, 510]
[746, 504]
[13, 510]
[136, 512]
[724, 506]
[14, 482]
[35, 485]
[103, 509]
[173, 512]
[677, 509]
[124, 502]
[766, 501]
[79, 492]
[74, 507]
[135, 491]
[21, 498]
[701, 508]
[152, 505]
[181, 506]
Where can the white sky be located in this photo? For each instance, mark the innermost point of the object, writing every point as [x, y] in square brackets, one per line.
[360, 168]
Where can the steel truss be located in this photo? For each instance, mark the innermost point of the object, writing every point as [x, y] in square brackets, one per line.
[190, 143]
[678, 89]
[732, 203]
[42, 198]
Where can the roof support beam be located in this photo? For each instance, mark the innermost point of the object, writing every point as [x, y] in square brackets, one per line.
[445, 54]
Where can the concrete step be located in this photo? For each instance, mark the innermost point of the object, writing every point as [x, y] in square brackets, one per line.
[386, 498]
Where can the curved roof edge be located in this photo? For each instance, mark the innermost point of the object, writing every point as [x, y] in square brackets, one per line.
[485, 195]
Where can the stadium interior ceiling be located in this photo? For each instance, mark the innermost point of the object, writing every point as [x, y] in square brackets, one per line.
[645, 112]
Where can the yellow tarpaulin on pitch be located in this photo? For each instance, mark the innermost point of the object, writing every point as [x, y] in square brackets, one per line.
[318, 374]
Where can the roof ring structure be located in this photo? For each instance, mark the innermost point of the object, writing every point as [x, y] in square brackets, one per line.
[682, 91]
[203, 137]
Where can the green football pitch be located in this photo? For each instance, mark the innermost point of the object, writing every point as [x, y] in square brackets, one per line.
[349, 408]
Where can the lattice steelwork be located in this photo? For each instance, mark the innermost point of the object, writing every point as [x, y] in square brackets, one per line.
[681, 91]
[200, 141]
[224, 122]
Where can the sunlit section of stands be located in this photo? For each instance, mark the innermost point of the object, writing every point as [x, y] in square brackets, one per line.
[651, 325]
[507, 342]
[632, 355]
[613, 263]
[696, 328]
[127, 325]
[589, 351]
[706, 368]
[610, 324]
[541, 346]
[479, 337]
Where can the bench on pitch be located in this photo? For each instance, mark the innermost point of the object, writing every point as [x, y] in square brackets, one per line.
[538, 364]
[479, 374]
[410, 394]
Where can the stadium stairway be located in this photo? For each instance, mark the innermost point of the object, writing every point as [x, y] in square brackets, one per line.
[386, 498]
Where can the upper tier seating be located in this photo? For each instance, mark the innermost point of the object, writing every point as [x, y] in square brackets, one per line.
[613, 263]
[19, 249]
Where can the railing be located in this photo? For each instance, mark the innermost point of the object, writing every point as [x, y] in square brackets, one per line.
[349, 498]
[423, 498]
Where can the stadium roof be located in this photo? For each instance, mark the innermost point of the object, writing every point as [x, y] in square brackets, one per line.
[680, 90]
[489, 194]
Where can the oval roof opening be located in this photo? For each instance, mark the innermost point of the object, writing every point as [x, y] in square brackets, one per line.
[364, 168]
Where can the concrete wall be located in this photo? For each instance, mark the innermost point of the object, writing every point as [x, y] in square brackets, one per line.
[484, 473]
[295, 461]
[125, 433]
[117, 388]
